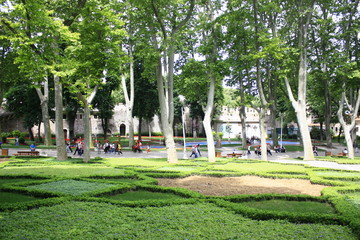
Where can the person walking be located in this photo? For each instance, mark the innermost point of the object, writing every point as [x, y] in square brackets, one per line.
[268, 149]
[198, 149]
[119, 148]
[315, 150]
[249, 149]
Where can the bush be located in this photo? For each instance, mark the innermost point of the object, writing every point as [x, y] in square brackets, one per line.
[316, 132]
[17, 133]
[21, 140]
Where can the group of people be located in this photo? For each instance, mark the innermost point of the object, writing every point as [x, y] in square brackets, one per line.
[257, 149]
[113, 147]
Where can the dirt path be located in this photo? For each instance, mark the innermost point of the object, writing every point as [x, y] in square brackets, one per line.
[224, 186]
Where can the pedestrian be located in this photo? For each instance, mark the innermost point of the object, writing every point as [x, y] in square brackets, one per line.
[356, 146]
[268, 149]
[119, 148]
[198, 149]
[76, 149]
[193, 151]
[17, 141]
[248, 149]
[315, 150]
[68, 147]
[98, 146]
[80, 148]
[106, 146]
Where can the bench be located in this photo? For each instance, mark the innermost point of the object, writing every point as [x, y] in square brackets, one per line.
[234, 155]
[341, 155]
[27, 153]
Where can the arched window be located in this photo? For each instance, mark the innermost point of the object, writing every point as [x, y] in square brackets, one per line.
[122, 130]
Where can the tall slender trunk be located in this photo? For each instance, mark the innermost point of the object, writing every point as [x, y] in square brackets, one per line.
[44, 101]
[164, 116]
[327, 114]
[87, 133]
[243, 126]
[60, 141]
[207, 120]
[87, 125]
[139, 128]
[129, 103]
[242, 114]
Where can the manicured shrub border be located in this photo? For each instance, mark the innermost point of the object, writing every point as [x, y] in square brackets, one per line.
[348, 214]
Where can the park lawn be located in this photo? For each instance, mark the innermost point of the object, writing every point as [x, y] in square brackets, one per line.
[256, 167]
[89, 220]
[292, 206]
[62, 171]
[9, 197]
[94, 207]
[142, 195]
[142, 162]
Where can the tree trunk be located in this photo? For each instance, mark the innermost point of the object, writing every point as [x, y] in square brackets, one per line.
[274, 134]
[44, 100]
[327, 114]
[139, 128]
[207, 119]
[31, 135]
[129, 103]
[165, 117]
[263, 133]
[243, 126]
[87, 125]
[60, 141]
[87, 133]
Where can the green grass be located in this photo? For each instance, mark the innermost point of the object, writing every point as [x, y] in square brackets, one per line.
[260, 167]
[118, 180]
[71, 187]
[143, 195]
[337, 174]
[14, 180]
[84, 220]
[62, 170]
[10, 197]
[165, 216]
[292, 206]
[177, 168]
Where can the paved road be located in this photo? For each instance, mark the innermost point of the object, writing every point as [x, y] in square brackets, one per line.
[288, 157]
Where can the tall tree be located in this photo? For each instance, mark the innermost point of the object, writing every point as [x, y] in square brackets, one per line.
[168, 19]
[349, 70]
[302, 14]
[41, 37]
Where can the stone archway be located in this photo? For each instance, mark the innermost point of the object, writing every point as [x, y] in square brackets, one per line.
[122, 129]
